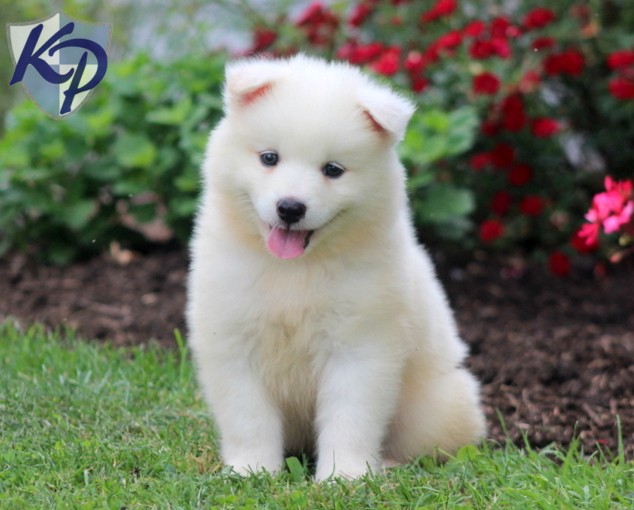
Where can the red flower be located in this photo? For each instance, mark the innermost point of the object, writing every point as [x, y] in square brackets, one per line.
[502, 155]
[480, 161]
[388, 63]
[449, 41]
[543, 43]
[520, 175]
[569, 62]
[538, 18]
[513, 113]
[474, 29]
[415, 62]
[501, 203]
[544, 127]
[419, 84]
[621, 88]
[262, 39]
[490, 230]
[501, 47]
[439, 9]
[318, 23]
[501, 27]
[559, 263]
[360, 54]
[360, 13]
[486, 83]
[620, 59]
[532, 205]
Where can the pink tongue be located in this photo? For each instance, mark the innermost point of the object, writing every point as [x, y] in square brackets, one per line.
[286, 244]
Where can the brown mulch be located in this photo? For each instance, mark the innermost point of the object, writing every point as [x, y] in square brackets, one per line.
[555, 355]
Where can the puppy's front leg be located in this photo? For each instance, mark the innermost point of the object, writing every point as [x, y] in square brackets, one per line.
[249, 422]
[357, 398]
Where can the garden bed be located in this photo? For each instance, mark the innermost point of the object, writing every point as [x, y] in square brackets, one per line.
[556, 356]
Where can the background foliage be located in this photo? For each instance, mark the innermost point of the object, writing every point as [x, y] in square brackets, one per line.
[522, 112]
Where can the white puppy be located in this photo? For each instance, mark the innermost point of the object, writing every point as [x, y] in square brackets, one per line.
[316, 321]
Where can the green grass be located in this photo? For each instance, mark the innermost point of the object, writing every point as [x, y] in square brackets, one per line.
[86, 425]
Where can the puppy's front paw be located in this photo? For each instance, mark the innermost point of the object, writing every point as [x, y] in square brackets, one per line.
[343, 467]
[249, 463]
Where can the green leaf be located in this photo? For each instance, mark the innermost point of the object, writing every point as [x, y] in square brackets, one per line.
[173, 115]
[134, 150]
[443, 202]
[77, 214]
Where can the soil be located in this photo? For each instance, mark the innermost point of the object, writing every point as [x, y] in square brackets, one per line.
[555, 355]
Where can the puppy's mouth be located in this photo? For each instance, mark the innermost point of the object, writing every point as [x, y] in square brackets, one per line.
[286, 243]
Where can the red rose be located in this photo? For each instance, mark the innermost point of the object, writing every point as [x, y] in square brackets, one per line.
[388, 63]
[620, 59]
[621, 88]
[543, 43]
[439, 9]
[318, 23]
[480, 161]
[490, 230]
[513, 113]
[520, 175]
[567, 62]
[502, 27]
[486, 83]
[415, 62]
[532, 205]
[360, 13]
[474, 29]
[538, 18]
[360, 54]
[262, 39]
[559, 263]
[501, 203]
[502, 155]
[481, 50]
[501, 47]
[544, 127]
[419, 84]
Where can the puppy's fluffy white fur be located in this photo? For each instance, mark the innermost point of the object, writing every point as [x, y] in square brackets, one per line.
[348, 351]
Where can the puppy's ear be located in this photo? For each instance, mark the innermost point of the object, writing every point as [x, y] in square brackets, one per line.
[387, 112]
[247, 81]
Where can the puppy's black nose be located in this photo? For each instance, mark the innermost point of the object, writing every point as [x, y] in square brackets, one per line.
[290, 211]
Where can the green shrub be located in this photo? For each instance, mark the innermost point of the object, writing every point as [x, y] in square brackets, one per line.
[128, 157]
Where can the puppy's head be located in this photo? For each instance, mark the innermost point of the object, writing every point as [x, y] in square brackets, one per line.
[307, 148]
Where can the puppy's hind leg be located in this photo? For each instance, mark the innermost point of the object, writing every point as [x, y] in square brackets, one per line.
[436, 411]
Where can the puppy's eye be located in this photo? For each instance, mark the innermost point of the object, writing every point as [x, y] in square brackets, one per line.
[269, 158]
[333, 170]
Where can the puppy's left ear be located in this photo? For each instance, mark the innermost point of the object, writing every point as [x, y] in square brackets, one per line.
[247, 81]
[387, 112]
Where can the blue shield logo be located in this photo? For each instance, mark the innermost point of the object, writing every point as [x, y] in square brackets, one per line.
[59, 60]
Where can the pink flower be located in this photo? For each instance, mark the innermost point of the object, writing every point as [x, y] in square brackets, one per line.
[611, 209]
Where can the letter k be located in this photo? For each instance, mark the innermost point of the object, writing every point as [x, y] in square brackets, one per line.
[31, 57]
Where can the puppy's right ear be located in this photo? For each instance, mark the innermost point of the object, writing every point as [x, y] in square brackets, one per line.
[248, 81]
